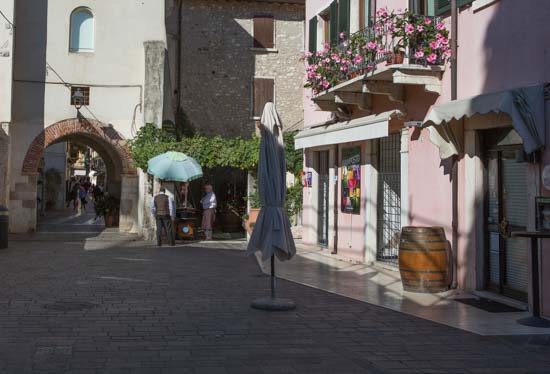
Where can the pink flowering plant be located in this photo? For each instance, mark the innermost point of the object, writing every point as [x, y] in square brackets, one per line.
[426, 40]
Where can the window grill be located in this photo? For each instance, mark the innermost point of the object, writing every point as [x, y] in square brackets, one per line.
[389, 199]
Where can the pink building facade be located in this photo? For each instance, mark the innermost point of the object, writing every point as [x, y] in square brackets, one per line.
[379, 155]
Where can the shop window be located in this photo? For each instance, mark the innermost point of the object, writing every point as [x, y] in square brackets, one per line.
[351, 180]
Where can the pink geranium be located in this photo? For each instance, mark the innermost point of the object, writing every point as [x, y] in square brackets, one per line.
[419, 54]
[434, 45]
[427, 21]
[326, 84]
[447, 53]
[409, 29]
[349, 52]
[444, 41]
[439, 36]
[358, 60]
[346, 43]
[372, 45]
[420, 28]
[370, 67]
[432, 58]
[343, 68]
[440, 26]
[342, 35]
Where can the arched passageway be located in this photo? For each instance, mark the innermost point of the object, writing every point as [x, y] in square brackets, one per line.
[111, 147]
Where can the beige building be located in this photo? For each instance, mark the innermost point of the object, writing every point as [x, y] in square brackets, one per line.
[113, 54]
[6, 65]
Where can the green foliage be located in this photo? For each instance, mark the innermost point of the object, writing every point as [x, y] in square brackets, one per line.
[209, 152]
[294, 198]
[219, 152]
[107, 205]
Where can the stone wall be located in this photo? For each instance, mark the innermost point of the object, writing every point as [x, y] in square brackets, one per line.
[219, 63]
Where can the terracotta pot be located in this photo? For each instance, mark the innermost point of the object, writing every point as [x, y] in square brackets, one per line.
[389, 58]
[111, 220]
[252, 218]
[398, 57]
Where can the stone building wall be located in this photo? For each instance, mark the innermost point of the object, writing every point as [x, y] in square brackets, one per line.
[219, 63]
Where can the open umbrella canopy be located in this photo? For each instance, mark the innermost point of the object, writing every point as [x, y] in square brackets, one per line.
[272, 234]
[174, 166]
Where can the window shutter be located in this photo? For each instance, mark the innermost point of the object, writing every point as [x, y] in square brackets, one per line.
[442, 6]
[263, 93]
[263, 32]
[343, 16]
[313, 35]
[333, 24]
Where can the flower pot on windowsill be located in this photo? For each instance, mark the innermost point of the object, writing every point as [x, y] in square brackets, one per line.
[395, 58]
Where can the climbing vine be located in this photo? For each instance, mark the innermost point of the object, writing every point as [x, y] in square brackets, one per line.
[209, 152]
[215, 152]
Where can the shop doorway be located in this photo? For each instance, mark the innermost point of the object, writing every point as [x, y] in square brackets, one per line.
[389, 199]
[323, 196]
[505, 211]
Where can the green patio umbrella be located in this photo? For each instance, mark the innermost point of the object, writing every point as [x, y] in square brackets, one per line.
[174, 166]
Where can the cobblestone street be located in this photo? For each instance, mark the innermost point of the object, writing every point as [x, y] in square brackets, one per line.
[128, 307]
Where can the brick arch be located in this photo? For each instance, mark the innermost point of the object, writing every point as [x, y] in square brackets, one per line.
[99, 132]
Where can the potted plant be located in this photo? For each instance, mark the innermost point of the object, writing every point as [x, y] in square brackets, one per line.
[249, 220]
[108, 207]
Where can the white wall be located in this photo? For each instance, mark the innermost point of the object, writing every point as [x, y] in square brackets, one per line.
[115, 71]
[6, 54]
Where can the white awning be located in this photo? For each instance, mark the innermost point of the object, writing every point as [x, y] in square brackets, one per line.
[358, 129]
[525, 106]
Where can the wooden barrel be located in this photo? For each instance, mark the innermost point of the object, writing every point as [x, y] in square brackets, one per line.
[423, 260]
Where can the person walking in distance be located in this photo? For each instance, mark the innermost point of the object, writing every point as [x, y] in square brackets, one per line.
[209, 204]
[163, 209]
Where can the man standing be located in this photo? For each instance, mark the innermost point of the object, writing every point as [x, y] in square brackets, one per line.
[163, 209]
[209, 211]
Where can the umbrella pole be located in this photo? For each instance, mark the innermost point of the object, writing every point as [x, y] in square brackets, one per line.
[273, 276]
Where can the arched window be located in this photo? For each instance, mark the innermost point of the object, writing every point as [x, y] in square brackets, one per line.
[82, 31]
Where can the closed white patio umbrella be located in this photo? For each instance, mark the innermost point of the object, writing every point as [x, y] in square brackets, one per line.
[272, 235]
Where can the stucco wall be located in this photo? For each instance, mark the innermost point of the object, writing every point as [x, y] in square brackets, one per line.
[115, 70]
[6, 64]
[218, 64]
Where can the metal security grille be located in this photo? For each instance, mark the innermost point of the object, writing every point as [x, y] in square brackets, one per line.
[389, 198]
[322, 222]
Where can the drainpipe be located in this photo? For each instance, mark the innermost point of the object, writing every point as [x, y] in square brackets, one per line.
[336, 202]
[454, 75]
[178, 66]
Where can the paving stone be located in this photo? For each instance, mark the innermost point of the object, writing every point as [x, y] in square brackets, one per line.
[186, 310]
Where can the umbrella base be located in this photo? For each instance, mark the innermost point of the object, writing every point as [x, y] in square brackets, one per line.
[273, 304]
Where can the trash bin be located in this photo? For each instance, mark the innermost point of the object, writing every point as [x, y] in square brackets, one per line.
[4, 222]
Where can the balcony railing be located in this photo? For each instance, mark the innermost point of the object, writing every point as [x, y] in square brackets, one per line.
[392, 39]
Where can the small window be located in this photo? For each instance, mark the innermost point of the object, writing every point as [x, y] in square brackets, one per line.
[85, 97]
[264, 32]
[82, 31]
[264, 92]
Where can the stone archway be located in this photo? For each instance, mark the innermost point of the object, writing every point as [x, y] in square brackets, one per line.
[110, 145]
[100, 133]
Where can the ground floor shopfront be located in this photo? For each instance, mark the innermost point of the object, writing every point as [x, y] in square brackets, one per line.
[364, 189]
